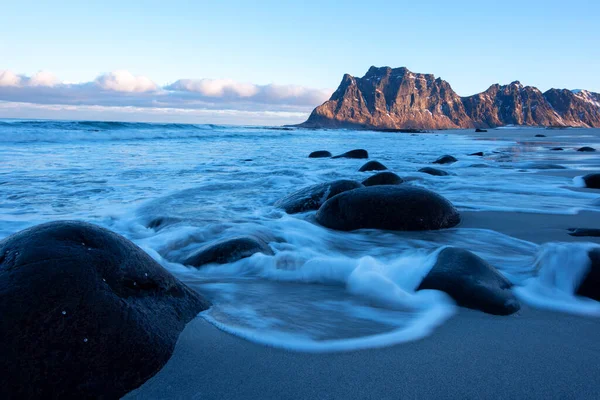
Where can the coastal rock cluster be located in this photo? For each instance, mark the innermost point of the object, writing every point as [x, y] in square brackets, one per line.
[88, 314]
[396, 98]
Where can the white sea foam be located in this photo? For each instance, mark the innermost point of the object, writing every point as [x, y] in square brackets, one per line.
[321, 290]
[561, 267]
[579, 182]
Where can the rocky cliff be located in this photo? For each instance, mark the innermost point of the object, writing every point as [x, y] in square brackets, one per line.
[397, 98]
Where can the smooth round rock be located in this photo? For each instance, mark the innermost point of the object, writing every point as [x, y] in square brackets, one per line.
[471, 282]
[383, 178]
[85, 313]
[372, 166]
[320, 154]
[447, 159]
[590, 285]
[312, 197]
[586, 149]
[228, 250]
[592, 181]
[433, 171]
[403, 208]
[358, 153]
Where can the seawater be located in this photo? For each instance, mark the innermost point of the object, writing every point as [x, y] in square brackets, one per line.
[172, 188]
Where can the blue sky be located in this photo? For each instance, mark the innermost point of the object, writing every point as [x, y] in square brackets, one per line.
[303, 48]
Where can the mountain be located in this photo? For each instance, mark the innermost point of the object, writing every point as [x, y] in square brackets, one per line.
[396, 98]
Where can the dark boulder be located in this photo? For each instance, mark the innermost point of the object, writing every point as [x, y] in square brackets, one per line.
[383, 178]
[590, 286]
[312, 197]
[403, 208]
[358, 153]
[319, 154]
[479, 153]
[85, 313]
[556, 149]
[478, 130]
[592, 181]
[591, 232]
[433, 171]
[372, 166]
[586, 149]
[447, 159]
[540, 135]
[471, 282]
[228, 250]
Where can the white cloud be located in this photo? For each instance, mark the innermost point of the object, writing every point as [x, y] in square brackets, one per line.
[125, 81]
[8, 78]
[268, 94]
[43, 78]
[149, 114]
[215, 87]
[119, 91]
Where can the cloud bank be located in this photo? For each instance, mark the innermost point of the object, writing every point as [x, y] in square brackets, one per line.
[122, 90]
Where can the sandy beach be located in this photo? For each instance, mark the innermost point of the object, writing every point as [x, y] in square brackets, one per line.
[533, 353]
[542, 354]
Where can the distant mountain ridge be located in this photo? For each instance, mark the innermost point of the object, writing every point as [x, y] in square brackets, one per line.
[396, 98]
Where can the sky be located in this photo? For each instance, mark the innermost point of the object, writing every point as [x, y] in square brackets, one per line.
[272, 62]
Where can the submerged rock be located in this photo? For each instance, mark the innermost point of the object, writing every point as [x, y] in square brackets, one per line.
[319, 154]
[312, 197]
[590, 286]
[556, 149]
[447, 159]
[228, 250]
[479, 153]
[584, 232]
[358, 153]
[383, 178]
[586, 149]
[372, 166]
[85, 313]
[403, 208]
[479, 130]
[592, 181]
[433, 171]
[471, 282]
[540, 135]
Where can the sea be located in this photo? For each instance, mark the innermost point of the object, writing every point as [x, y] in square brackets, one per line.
[173, 188]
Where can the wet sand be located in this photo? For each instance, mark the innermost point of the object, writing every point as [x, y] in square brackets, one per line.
[533, 354]
[533, 227]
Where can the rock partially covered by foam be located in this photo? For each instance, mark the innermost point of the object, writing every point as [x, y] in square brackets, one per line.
[320, 154]
[228, 250]
[383, 178]
[447, 159]
[312, 197]
[433, 171]
[590, 285]
[85, 313]
[358, 153]
[471, 282]
[592, 181]
[402, 208]
[372, 166]
[586, 149]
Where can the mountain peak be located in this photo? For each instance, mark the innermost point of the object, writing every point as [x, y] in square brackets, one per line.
[396, 98]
